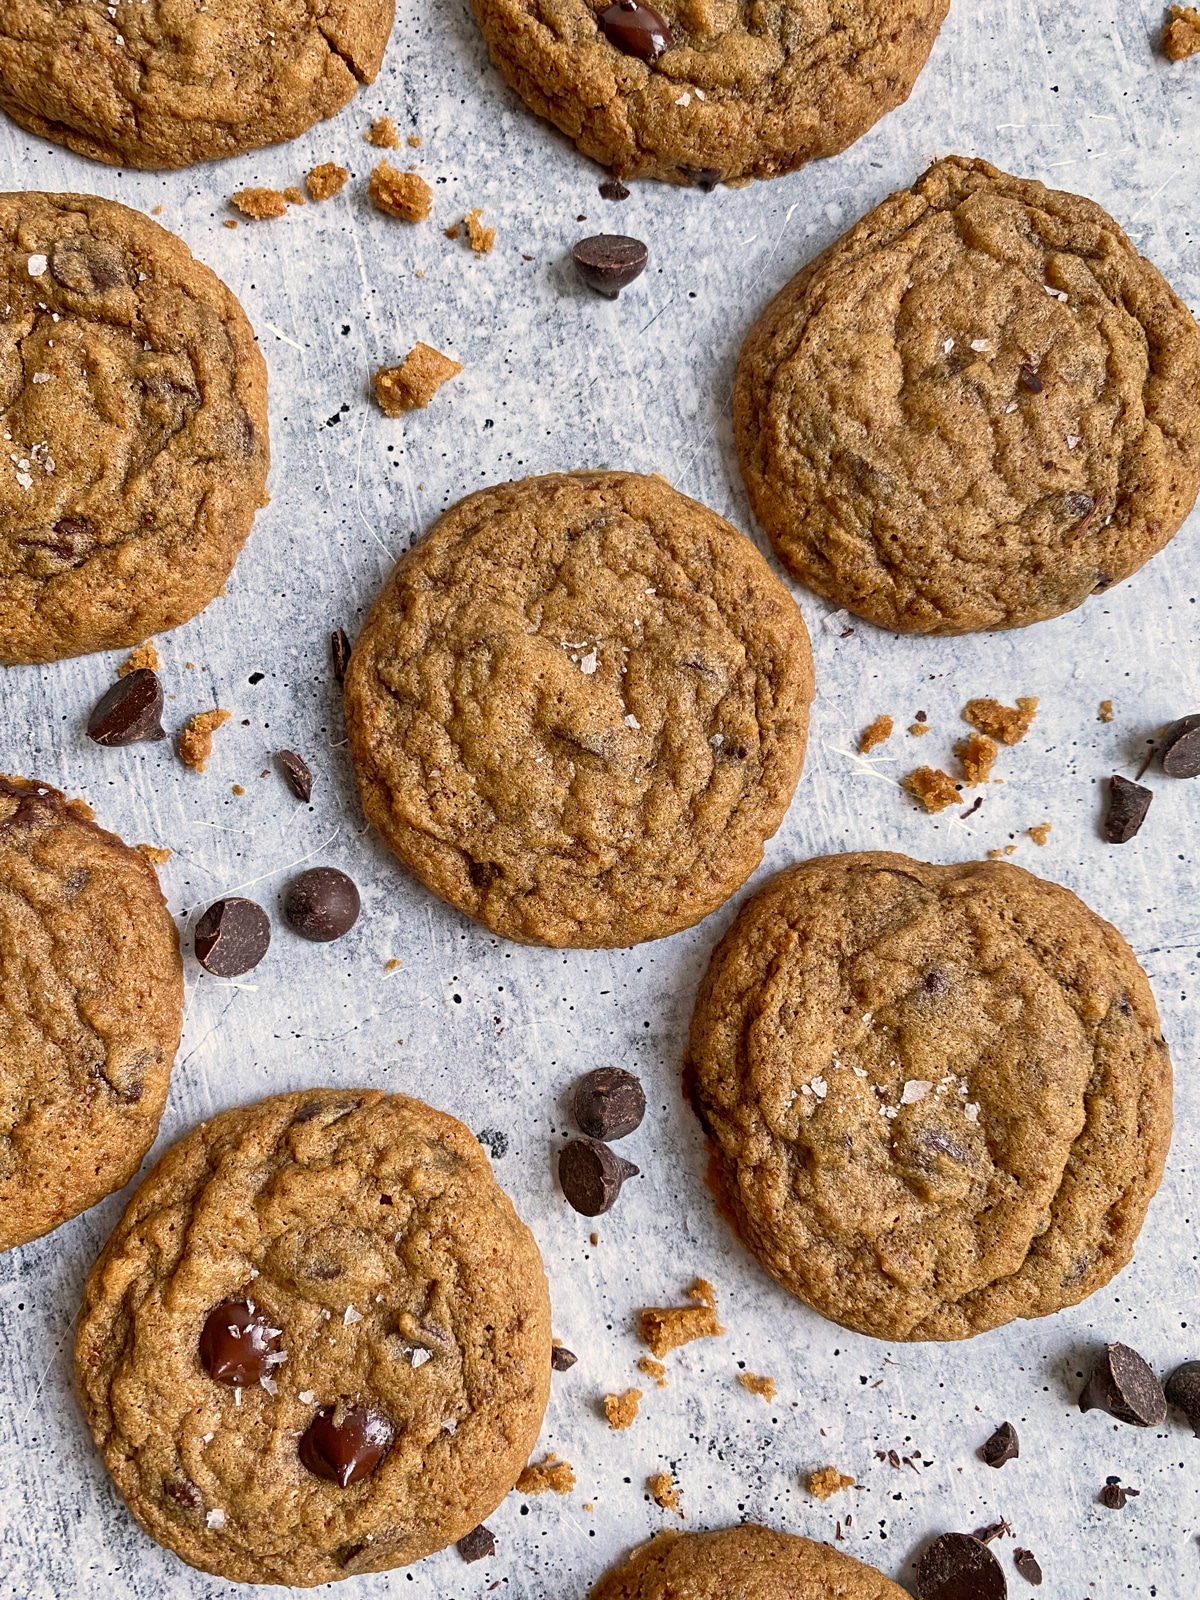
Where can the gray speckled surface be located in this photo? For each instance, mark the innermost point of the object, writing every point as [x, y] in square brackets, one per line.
[558, 378]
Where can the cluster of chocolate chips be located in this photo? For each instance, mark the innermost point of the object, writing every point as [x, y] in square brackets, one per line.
[606, 1104]
[233, 935]
[1179, 756]
[1123, 1384]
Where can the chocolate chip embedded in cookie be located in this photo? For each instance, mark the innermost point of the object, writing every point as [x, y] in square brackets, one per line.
[165, 83]
[937, 1097]
[135, 426]
[318, 1342]
[579, 707]
[91, 1007]
[977, 408]
[705, 91]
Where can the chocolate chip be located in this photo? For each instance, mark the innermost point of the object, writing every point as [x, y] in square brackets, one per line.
[321, 904]
[935, 981]
[1123, 1385]
[562, 1359]
[609, 262]
[636, 30]
[1002, 1446]
[1079, 504]
[1030, 378]
[1182, 1390]
[1026, 1564]
[1114, 1494]
[707, 178]
[591, 1175]
[478, 1544]
[608, 1103]
[184, 1493]
[613, 189]
[232, 937]
[130, 711]
[339, 649]
[957, 1566]
[345, 1444]
[1128, 804]
[237, 1343]
[1180, 748]
[297, 772]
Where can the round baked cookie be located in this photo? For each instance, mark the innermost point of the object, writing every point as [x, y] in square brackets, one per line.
[390, 1361]
[739, 92]
[937, 1098]
[91, 1008]
[134, 416]
[579, 707]
[165, 83]
[975, 409]
[746, 1563]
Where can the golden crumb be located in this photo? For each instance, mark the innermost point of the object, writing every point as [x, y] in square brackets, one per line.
[1181, 36]
[325, 181]
[932, 788]
[1040, 832]
[230, 222]
[551, 1475]
[154, 853]
[593, 1239]
[653, 1369]
[757, 1385]
[401, 194]
[413, 384]
[879, 732]
[665, 1328]
[260, 203]
[1005, 723]
[156, 211]
[143, 659]
[453, 231]
[383, 134]
[828, 1481]
[621, 1409]
[978, 756]
[920, 729]
[999, 854]
[664, 1492]
[414, 140]
[482, 239]
[588, 1506]
[237, 789]
[390, 966]
[1105, 713]
[293, 196]
[195, 742]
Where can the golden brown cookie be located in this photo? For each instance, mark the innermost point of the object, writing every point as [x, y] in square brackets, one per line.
[937, 1097]
[318, 1342]
[706, 91]
[91, 1007]
[746, 1563]
[164, 83]
[579, 708]
[978, 407]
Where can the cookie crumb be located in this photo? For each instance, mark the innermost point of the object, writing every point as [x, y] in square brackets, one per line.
[195, 742]
[1181, 36]
[664, 1492]
[154, 853]
[326, 180]
[230, 222]
[999, 854]
[383, 134]
[414, 140]
[653, 1369]
[453, 231]
[390, 966]
[482, 239]
[156, 211]
[1105, 714]
[550, 1475]
[293, 196]
[665, 1328]
[879, 732]
[828, 1481]
[621, 1409]
[259, 203]
[920, 729]
[932, 787]
[757, 1385]
[413, 384]
[401, 194]
[1006, 723]
[1041, 832]
[978, 756]
[143, 659]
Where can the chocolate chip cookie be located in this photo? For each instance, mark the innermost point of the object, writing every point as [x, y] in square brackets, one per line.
[165, 83]
[579, 708]
[746, 1563]
[134, 428]
[91, 1007]
[708, 91]
[318, 1342]
[977, 408]
[937, 1097]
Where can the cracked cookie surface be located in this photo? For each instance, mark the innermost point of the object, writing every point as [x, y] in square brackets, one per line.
[391, 1274]
[746, 1563]
[133, 409]
[975, 409]
[579, 707]
[165, 83]
[937, 1098]
[747, 90]
[91, 1006]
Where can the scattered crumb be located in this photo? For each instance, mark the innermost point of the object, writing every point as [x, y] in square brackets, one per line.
[620, 1409]
[400, 194]
[932, 788]
[1181, 36]
[1005, 723]
[453, 231]
[237, 789]
[665, 1328]
[653, 1369]
[998, 855]
[144, 658]
[384, 134]
[482, 239]
[757, 1385]
[260, 203]
[829, 1481]
[879, 732]
[195, 742]
[548, 1475]
[156, 211]
[293, 196]
[1105, 713]
[1041, 832]
[390, 966]
[414, 140]
[588, 1506]
[413, 384]
[231, 222]
[593, 1239]
[325, 181]
[154, 853]
[920, 729]
[664, 1492]
[978, 756]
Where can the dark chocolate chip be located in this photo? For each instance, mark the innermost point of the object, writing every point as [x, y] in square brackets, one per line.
[237, 1343]
[1180, 748]
[707, 178]
[1026, 1564]
[1123, 1385]
[1002, 1446]
[345, 1444]
[613, 189]
[321, 904]
[1030, 378]
[994, 1530]
[609, 262]
[297, 772]
[130, 711]
[957, 1566]
[608, 1103]
[1128, 804]
[339, 649]
[636, 30]
[1182, 1390]
[477, 1545]
[935, 981]
[232, 937]
[1079, 504]
[562, 1359]
[591, 1175]
[184, 1493]
[1114, 1494]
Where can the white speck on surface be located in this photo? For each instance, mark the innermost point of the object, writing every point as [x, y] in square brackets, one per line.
[980, 344]
[24, 480]
[420, 1357]
[37, 265]
[589, 664]
[859, 1072]
[306, 1397]
[352, 1316]
[41, 377]
[971, 1111]
[215, 1518]
[269, 1384]
[632, 722]
[947, 346]
[819, 1088]
[1072, 440]
[684, 99]
[915, 1089]
[1011, 407]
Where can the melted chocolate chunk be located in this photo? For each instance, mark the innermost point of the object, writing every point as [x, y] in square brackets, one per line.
[237, 1343]
[345, 1444]
[129, 712]
[636, 30]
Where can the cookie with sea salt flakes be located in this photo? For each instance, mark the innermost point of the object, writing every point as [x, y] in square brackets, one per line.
[318, 1342]
[978, 407]
[937, 1098]
[579, 707]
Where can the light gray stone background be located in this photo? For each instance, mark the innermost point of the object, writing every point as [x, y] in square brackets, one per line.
[554, 378]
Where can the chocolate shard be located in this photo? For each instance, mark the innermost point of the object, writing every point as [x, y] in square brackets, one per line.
[1122, 1384]
[339, 650]
[477, 1545]
[1002, 1446]
[1028, 1566]
[562, 1359]
[129, 712]
[297, 773]
[1180, 748]
[1128, 804]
